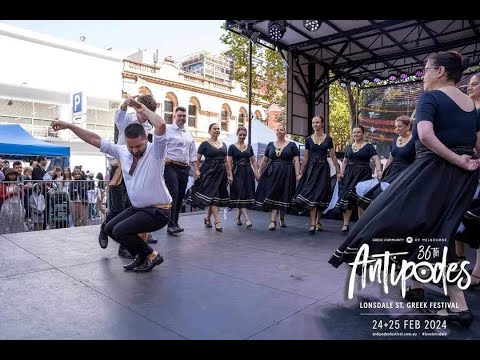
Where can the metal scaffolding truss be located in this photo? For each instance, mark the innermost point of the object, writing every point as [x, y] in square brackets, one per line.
[358, 51]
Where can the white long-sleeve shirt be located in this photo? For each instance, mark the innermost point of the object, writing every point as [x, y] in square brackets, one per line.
[181, 145]
[146, 187]
[123, 119]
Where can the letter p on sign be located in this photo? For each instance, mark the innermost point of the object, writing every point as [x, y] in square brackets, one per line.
[77, 103]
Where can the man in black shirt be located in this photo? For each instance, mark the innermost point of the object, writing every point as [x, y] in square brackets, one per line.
[39, 170]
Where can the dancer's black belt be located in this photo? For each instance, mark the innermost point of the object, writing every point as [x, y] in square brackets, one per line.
[460, 150]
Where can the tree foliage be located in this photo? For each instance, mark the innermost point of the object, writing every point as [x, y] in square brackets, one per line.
[269, 84]
[268, 70]
[340, 116]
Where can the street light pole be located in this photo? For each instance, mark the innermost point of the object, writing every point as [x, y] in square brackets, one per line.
[250, 92]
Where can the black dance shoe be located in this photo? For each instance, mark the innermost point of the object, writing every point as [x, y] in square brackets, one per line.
[272, 228]
[136, 262]
[103, 238]
[218, 228]
[148, 265]
[311, 229]
[415, 295]
[207, 222]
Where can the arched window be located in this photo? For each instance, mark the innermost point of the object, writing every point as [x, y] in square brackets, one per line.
[193, 107]
[143, 90]
[242, 117]
[169, 104]
[225, 117]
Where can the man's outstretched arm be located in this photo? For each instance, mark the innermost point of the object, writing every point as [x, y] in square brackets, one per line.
[87, 136]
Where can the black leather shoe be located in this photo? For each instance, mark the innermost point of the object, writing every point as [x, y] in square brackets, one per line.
[103, 238]
[148, 265]
[415, 295]
[464, 318]
[123, 252]
[136, 262]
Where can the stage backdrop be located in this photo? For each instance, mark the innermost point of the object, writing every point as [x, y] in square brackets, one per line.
[380, 106]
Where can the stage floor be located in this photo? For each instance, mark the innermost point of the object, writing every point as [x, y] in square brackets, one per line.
[238, 284]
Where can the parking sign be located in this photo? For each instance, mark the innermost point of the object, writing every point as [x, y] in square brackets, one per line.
[77, 103]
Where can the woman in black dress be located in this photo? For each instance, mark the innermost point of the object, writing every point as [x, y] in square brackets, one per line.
[211, 188]
[279, 171]
[243, 163]
[428, 200]
[355, 168]
[469, 233]
[314, 189]
[402, 154]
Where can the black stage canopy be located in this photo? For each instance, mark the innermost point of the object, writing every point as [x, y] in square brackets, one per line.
[358, 51]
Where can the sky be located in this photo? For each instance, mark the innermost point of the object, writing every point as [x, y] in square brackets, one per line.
[177, 38]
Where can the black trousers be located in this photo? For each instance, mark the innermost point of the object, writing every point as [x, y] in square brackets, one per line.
[124, 227]
[176, 179]
[118, 201]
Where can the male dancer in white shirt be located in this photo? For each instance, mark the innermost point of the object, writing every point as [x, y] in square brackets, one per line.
[181, 155]
[118, 195]
[142, 169]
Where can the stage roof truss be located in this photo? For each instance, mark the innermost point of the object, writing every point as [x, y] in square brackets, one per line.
[361, 50]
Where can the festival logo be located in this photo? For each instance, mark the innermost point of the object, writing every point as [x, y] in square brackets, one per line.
[388, 271]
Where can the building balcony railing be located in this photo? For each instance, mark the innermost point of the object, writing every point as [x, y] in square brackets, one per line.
[137, 67]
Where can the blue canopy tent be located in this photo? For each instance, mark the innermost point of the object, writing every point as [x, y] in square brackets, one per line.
[16, 143]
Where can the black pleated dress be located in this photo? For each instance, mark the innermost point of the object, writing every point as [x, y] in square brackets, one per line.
[242, 190]
[469, 232]
[211, 187]
[427, 202]
[357, 170]
[403, 157]
[276, 186]
[314, 188]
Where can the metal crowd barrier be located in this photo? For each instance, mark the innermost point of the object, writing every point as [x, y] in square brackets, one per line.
[34, 205]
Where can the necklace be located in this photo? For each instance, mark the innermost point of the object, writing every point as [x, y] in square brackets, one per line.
[356, 148]
[242, 148]
[278, 150]
[216, 144]
[318, 141]
[401, 141]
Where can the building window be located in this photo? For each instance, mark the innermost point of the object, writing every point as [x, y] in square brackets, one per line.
[168, 111]
[192, 115]
[241, 119]
[224, 120]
